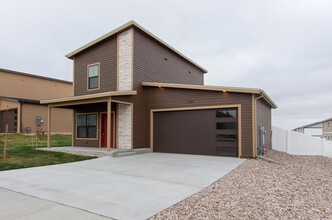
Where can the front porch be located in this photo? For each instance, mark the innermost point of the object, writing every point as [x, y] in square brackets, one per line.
[99, 120]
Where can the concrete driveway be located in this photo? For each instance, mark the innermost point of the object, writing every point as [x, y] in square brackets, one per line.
[133, 187]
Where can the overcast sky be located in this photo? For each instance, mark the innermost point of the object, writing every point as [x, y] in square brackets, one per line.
[282, 47]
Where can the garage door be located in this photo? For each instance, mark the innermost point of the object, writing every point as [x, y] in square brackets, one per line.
[204, 132]
[8, 117]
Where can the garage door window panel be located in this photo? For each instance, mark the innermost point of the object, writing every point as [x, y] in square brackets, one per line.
[226, 138]
[226, 132]
[226, 125]
[223, 113]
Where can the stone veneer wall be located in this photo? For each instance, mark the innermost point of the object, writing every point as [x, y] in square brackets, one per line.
[125, 60]
[124, 126]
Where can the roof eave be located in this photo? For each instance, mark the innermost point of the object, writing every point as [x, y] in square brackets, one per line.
[269, 100]
[214, 88]
[124, 27]
[87, 97]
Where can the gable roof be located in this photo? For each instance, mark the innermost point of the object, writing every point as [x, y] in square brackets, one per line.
[124, 27]
[35, 76]
[215, 88]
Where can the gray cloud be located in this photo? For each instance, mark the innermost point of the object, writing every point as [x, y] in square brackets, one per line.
[283, 47]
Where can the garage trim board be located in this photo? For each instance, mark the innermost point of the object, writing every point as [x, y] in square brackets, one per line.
[238, 106]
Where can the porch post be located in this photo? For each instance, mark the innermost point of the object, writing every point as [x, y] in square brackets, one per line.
[49, 127]
[109, 110]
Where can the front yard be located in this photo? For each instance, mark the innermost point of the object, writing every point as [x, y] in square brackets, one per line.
[21, 152]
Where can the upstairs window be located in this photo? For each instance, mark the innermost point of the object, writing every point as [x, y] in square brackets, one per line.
[93, 76]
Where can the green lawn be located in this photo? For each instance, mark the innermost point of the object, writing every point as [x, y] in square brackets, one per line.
[21, 152]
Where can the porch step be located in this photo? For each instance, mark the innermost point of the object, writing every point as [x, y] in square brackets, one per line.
[123, 154]
[130, 152]
[142, 150]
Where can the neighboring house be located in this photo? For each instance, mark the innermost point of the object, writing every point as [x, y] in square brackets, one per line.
[320, 129]
[133, 90]
[327, 129]
[313, 129]
[20, 108]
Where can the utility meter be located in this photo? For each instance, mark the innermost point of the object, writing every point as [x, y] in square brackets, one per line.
[39, 121]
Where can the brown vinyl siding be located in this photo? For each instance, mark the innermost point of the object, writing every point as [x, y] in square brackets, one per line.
[150, 64]
[158, 98]
[104, 53]
[263, 112]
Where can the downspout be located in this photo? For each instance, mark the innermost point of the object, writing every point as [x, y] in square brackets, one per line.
[259, 97]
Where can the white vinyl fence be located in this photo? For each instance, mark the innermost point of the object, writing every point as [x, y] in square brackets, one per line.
[297, 143]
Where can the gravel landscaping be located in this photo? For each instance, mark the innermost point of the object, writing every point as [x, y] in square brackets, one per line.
[296, 187]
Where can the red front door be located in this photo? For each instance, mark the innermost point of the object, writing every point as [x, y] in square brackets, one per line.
[103, 130]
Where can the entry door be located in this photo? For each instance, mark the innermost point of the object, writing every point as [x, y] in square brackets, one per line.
[103, 130]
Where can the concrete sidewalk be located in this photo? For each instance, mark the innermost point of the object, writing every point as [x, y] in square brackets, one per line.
[133, 187]
[23, 207]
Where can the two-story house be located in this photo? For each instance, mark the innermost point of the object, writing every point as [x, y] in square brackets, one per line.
[133, 90]
[313, 129]
[327, 129]
[320, 129]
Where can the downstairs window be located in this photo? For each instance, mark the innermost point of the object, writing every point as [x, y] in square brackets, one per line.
[86, 126]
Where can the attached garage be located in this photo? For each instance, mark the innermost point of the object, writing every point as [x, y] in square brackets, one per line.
[212, 131]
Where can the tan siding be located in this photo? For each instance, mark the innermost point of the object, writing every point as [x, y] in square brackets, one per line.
[25, 86]
[61, 118]
[264, 119]
[4, 104]
[104, 53]
[22, 86]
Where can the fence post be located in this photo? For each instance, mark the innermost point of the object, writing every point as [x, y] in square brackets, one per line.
[323, 147]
